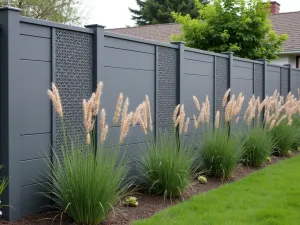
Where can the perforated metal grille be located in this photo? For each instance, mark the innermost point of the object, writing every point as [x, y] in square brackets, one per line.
[73, 77]
[284, 81]
[258, 81]
[221, 80]
[166, 88]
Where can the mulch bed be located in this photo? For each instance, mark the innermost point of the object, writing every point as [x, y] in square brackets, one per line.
[148, 204]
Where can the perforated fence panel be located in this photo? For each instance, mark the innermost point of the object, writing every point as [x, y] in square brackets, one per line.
[73, 77]
[221, 82]
[166, 88]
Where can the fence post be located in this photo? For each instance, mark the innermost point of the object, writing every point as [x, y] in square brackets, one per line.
[9, 113]
[264, 75]
[180, 71]
[230, 65]
[98, 60]
[289, 76]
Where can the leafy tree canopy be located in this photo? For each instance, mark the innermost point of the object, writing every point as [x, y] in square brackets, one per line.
[159, 11]
[62, 11]
[239, 26]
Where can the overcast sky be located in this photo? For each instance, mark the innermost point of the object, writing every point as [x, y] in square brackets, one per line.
[115, 13]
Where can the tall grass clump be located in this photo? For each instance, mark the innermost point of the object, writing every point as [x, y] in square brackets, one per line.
[87, 180]
[257, 142]
[279, 115]
[219, 149]
[165, 166]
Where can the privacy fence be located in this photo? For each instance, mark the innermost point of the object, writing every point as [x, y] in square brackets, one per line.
[35, 53]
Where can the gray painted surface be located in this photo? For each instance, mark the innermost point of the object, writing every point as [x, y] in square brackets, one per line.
[35, 53]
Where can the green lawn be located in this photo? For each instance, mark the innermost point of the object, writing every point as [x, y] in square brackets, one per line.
[270, 196]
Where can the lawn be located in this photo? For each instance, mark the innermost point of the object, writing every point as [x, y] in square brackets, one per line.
[270, 196]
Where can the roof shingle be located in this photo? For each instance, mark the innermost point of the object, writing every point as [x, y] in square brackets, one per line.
[283, 23]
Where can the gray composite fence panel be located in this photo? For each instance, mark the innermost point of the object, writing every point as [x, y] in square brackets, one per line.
[35, 53]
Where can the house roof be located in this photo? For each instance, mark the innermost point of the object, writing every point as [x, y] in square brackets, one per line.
[283, 23]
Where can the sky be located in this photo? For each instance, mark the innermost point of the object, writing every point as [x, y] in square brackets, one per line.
[115, 13]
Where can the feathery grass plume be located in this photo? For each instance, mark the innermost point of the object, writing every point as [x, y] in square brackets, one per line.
[181, 120]
[88, 138]
[272, 124]
[196, 124]
[238, 106]
[197, 104]
[54, 102]
[281, 119]
[290, 122]
[207, 110]
[201, 116]
[89, 113]
[289, 97]
[281, 99]
[137, 115]
[217, 122]
[149, 112]
[142, 125]
[251, 115]
[125, 127]
[176, 113]
[229, 108]
[186, 125]
[125, 110]
[102, 119]
[298, 93]
[104, 134]
[55, 98]
[118, 109]
[237, 120]
[225, 97]
[144, 115]
[58, 100]
[98, 94]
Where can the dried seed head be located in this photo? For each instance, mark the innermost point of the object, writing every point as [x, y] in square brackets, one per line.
[197, 104]
[149, 112]
[125, 126]
[237, 120]
[84, 109]
[217, 122]
[102, 119]
[88, 138]
[181, 120]
[225, 97]
[104, 134]
[55, 98]
[98, 94]
[186, 125]
[89, 113]
[137, 114]
[207, 110]
[176, 113]
[118, 109]
[125, 109]
[272, 124]
[290, 122]
[281, 119]
[201, 117]
[196, 123]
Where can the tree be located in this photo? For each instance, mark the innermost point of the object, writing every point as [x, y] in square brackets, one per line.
[62, 11]
[159, 11]
[239, 26]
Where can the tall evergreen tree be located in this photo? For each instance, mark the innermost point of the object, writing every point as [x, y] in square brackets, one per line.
[159, 11]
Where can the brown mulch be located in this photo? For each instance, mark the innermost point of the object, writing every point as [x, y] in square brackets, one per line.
[148, 204]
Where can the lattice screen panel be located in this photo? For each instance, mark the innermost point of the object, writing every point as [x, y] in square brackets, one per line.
[221, 80]
[166, 88]
[284, 81]
[259, 81]
[73, 77]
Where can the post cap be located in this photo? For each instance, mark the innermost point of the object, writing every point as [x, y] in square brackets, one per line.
[177, 42]
[228, 53]
[10, 8]
[94, 25]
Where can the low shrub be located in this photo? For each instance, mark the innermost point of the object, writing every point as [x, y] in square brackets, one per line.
[85, 185]
[285, 136]
[219, 153]
[257, 147]
[165, 167]
[3, 184]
